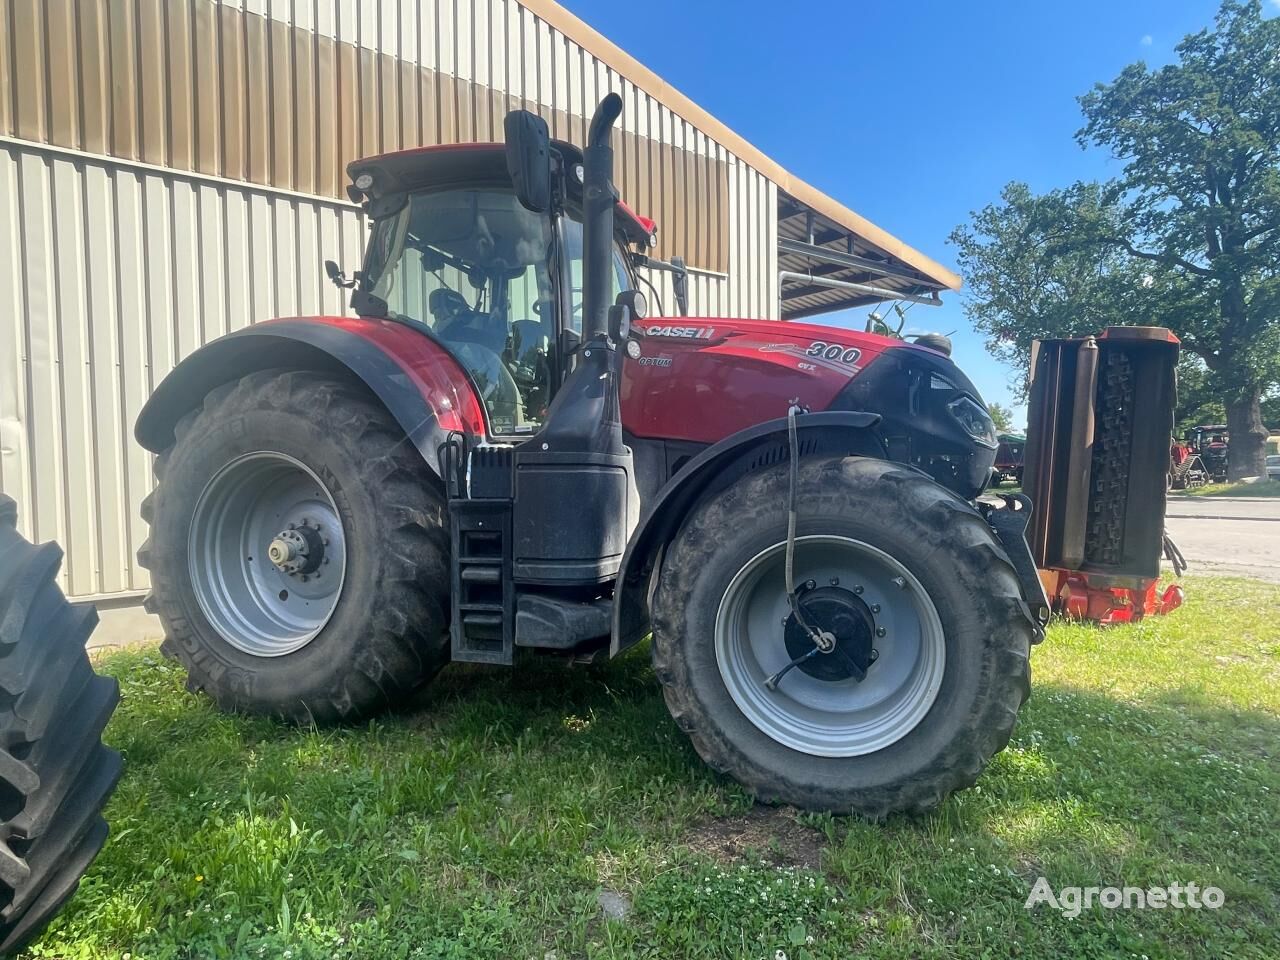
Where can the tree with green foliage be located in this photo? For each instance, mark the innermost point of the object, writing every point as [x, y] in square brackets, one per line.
[1031, 270]
[1187, 237]
[1001, 416]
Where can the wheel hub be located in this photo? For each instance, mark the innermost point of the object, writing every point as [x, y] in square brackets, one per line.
[846, 629]
[267, 554]
[298, 550]
[823, 710]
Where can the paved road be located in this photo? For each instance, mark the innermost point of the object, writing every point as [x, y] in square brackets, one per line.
[1231, 535]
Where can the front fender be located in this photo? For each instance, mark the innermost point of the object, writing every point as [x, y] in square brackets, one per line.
[420, 384]
[764, 444]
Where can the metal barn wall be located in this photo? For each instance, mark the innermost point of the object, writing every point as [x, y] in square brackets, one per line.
[111, 274]
[171, 170]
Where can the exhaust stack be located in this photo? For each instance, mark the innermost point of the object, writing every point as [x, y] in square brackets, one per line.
[598, 198]
[575, 500]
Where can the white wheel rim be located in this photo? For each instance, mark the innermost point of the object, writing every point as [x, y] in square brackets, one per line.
[824, 718]
[255, 604]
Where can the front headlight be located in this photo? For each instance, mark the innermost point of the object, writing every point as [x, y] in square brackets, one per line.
[975, 420]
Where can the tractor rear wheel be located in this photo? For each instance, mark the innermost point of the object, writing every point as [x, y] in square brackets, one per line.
[929, 664]
[299, 552]
[55, 774]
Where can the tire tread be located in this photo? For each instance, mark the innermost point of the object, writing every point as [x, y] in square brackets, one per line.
[1008, 625]
[55, 773]
[406, 644]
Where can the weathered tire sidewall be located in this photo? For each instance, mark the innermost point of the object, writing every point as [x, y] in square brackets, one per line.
[724, 534]
[321, 670]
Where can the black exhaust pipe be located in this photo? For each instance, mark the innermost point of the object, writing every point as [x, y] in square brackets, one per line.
[575, 499]
[598, 198]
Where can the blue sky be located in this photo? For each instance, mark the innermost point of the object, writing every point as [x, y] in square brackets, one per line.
[912, 114]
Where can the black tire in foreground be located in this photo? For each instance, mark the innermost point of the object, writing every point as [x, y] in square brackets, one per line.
[351, 620]
[55, 774]
[895, 562]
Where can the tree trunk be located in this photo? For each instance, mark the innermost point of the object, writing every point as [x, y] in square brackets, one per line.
[1247, 445]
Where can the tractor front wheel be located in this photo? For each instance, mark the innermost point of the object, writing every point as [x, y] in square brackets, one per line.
[299, 553]
[925, 659]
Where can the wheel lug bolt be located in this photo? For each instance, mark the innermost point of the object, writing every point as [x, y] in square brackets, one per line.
[880, 631]
[293, 526]
[304, 578]
[875, 608]
[810, 584]
[326, 559]
[858, 590]
[325, 541]
[900, 583]
[835, 581]
[875, 655]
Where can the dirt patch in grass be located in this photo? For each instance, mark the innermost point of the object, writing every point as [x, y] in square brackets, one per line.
[762, 833]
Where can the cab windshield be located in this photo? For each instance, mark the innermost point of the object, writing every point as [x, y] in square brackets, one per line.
[476, 268]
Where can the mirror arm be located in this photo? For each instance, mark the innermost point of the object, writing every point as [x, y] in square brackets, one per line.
[676, 266]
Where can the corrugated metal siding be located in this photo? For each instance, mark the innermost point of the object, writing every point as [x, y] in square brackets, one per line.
[287, 95]
[110, 276]
[171, 170]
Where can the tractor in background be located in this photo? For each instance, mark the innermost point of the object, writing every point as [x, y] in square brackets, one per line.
[1009, 453]
[1211, 443]
[1186, 469]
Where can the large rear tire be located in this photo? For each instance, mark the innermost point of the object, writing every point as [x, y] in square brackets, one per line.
[55, 774]
[299, 552]
[906, 562]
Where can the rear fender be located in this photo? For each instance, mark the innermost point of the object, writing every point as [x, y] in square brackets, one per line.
[833, 433]
[423, 388]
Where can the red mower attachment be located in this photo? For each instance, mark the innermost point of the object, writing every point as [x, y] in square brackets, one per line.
[1078, 599]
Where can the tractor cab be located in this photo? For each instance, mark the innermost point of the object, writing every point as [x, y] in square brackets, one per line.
[455, 253]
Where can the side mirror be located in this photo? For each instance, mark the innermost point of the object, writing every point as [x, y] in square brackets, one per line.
[337, 276]
[529, 159]
[628, 308]
[680, 283]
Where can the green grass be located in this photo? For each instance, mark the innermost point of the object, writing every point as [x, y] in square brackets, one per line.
[1263, 488]
[484, 821]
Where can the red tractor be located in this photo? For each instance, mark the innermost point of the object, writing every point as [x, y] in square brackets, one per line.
[503, 451]
[1211, 443]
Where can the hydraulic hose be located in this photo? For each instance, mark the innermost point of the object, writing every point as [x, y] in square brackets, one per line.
[822, 642]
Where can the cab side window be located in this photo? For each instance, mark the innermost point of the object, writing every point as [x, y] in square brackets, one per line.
[573, 257]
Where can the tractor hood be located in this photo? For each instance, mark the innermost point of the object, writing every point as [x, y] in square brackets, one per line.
[702, 379]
